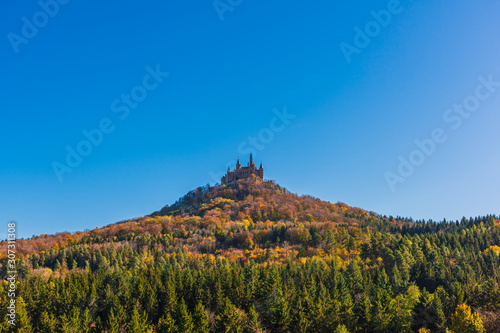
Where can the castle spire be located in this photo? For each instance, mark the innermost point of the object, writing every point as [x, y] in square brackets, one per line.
[243, 172]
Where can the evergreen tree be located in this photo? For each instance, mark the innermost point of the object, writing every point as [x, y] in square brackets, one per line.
[166, 324]
[300, 319]
[200, 319]
[137, 322]
[230, 318]
[23, 322]
[354, 277]
[184, 319]
[48, 323]
[113, 322]
[253, 321]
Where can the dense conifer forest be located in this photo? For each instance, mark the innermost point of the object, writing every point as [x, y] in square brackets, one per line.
[253, 257]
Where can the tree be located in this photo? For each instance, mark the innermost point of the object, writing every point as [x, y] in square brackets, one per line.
[113, 322]
[429, 313]
[184, 319]
[462, 321]
[341, 329]
[166, 324]
[363, 314]
[403, 309]
[22, 321]
[253, 322]
[301, 321]
[48, 322]
[71, 323]
[86, 321]
[230, 318]
[137, 322]
[354, 277]
[279, 309]
[200, 319]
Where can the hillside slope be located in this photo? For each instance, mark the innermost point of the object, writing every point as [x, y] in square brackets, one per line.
[253, 257]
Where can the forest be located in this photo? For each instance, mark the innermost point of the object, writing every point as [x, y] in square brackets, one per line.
[254, 257]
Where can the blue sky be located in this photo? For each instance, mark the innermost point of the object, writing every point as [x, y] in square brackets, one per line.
[270, 77]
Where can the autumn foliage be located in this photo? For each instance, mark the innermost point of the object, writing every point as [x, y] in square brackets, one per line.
[253, 257]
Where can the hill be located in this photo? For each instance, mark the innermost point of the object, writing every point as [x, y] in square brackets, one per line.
[253, 257]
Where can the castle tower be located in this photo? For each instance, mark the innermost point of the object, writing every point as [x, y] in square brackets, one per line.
[243, 172]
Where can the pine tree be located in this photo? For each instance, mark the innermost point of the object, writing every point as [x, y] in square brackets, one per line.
[170, 297]
[113, 322]
[166, 324]
[403, 309]
[346, 302]
[86, 321]
[438, 317]
[320, 310]
[363, 314]
[200, 319]
[253, 321]
[57, 266]
[382, 310]
[23, 322]
[397, 280]
[429, 313]
[230, 318]
[278, 306]
[48, 323]
[137, 322]
[354, 277]
[184, 319]
[71, 323]
[300, 320]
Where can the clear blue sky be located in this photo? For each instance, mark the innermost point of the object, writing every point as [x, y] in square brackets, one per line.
[352, 119]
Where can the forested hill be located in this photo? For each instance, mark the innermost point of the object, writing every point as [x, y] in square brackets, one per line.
[253, 257]
[260, 201]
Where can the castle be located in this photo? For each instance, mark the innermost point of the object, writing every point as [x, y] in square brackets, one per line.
[242, 172]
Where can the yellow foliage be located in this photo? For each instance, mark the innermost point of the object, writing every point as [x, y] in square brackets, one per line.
[464, 321]
[495, 249]
[424, 330]
[321, 253]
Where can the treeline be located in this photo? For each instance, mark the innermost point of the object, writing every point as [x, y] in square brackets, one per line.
[395, 284]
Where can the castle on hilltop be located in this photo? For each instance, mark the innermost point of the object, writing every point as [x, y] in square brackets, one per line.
[243, 172]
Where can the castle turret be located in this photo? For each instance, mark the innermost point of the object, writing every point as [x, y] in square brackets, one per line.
[243, 172]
